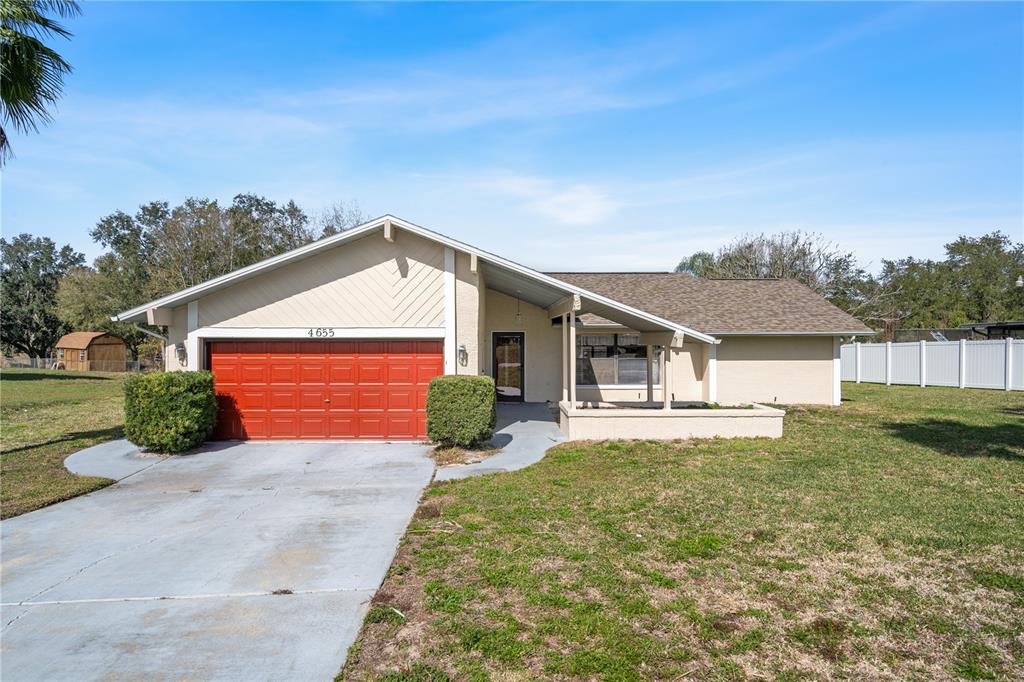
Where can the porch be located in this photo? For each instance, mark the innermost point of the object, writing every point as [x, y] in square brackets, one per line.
[673, 401]
[610, 370]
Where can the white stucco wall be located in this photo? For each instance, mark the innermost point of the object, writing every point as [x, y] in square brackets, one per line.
[467, 315]
[775, 369]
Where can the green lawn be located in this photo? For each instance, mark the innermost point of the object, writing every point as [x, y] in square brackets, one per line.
[45, 416]
[883, 539]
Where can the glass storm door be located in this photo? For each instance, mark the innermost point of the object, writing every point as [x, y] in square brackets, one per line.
[508, 366]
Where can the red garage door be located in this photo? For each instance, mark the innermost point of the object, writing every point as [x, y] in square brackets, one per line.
[323, 389]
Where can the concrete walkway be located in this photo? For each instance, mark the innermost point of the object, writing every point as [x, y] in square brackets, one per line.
[245, 561]
[116, 459]
[524, 432]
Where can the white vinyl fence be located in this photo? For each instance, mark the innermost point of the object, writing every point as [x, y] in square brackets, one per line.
[963, 364]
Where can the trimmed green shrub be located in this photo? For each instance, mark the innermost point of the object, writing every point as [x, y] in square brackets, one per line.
[460, 410]
[169, 411]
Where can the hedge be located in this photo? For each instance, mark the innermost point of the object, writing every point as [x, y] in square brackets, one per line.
[169, 411]
[460, 410]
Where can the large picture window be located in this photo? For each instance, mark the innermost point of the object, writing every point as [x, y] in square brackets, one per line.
[612, 360]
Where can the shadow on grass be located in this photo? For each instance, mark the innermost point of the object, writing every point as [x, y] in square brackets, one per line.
[109, 434]
[42, 374]
[1017, 410]
[1005, 441]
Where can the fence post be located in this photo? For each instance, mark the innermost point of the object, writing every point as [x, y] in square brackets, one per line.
[856, 360]
[963, 363]
[888, 363]
[1009, 363]
[923, 346]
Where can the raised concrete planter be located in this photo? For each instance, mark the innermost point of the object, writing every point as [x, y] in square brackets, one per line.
[604, 423]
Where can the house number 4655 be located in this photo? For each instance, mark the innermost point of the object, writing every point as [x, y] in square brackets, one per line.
[320, 333]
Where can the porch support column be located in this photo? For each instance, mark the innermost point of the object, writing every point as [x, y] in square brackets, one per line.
[565, 356]
[712, 377]
[572, 358]
[666, 376]
[650, 373]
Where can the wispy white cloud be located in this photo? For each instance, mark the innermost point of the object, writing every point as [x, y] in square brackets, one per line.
[566, 203]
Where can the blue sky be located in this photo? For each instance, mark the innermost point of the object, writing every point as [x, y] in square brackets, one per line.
[567, 136]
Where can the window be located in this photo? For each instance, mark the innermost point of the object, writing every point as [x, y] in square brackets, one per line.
[612, 359]
[60, 353]
[81, 356]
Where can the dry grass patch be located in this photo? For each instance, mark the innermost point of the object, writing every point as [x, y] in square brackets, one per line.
[454, 456]
[878, 541]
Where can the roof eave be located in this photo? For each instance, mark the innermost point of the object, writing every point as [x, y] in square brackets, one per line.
[198, 290]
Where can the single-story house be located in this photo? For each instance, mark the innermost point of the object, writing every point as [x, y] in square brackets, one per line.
[96, 351]
[339, 339]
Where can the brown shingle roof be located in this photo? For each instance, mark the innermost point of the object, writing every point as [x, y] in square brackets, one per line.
[721, 306]
[78, 340]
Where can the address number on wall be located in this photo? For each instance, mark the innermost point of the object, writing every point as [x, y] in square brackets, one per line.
[320, 333]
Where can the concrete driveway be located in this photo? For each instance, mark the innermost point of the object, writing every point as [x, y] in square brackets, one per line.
[172, 573]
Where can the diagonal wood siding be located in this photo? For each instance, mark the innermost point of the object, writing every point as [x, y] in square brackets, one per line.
[367, 283]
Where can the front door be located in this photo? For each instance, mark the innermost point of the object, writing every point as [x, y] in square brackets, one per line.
[509, 375]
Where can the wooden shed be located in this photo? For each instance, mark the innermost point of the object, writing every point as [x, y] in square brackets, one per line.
[95, 351]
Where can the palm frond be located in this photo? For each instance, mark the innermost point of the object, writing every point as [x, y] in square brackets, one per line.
[31, 73]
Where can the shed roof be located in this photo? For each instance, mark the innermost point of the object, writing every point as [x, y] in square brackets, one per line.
[722, 306]
[79, 340]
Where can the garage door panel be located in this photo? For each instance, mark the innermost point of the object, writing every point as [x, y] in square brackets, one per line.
[372, 426]
[314, 427]
[225, 374]
[252, 426]
[342, 374]
[341, 389]
[344, 427]
[342, 399]
[371, 399]
[250, 373]
[370, 372]
[403, 350]
[280, 349]
[401, 426]
[343, 349]
[399, 399]
[284, 374]
[312, 374]
[401, 372]
[427, 371]
[372, 348]
[313, 401]
[251, 399]
[425, 348]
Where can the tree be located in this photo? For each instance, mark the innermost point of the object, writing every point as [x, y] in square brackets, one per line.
[30, 271]
[87, 298]
[338, 217]
[697, 264]
[805, 257]
[31, 73]
[982, 272]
